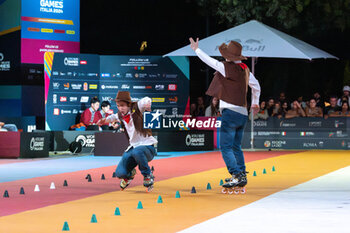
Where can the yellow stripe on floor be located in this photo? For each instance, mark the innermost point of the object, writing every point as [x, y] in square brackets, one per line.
[176, 213]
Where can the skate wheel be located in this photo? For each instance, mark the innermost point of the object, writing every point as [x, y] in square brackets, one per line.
[236, 191]
[230, 191]
[149, 189]
[224, 190]
[243, 191]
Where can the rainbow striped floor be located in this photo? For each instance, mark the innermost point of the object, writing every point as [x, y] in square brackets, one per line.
[306, 192]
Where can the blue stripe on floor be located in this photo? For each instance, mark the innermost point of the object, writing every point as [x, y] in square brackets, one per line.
[46, 167]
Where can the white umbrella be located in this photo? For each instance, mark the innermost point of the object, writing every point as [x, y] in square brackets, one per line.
[257, 40]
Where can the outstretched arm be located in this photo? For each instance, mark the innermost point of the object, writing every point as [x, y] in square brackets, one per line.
[213, 63]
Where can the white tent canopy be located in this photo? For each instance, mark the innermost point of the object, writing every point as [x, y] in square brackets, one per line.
[258, 40]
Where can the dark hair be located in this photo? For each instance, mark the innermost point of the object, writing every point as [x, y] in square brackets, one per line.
[105, 104]
[345, 102]
[94, 100]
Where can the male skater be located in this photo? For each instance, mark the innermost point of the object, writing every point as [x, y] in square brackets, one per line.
[141, 149]
[230, 85]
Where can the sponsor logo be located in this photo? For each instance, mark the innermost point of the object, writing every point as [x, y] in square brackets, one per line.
[71, 61]
[310, 145]
[105, 75]
[303, 134]
[284, 133]
[85, 86]
[69, 73]
[73, 99]
[93, 86]
[158, 100]
[139, 87]
[107, 98]
[75, 111]
[63, 99]
[84, 99]
[125, 86]
[338, 123]
[92, 74]
[172, 87]
[267, 143]
[83, 62]
[66, 111]
[66, 86]
[315, 124]
[55, 86]
[275, 144]
[56, 111]
[128, 75]
[195, 139]
[55, 73]
[260, 123]
[76, 86]
[169, 75]
[173, 100]
[287, 124]
[54, 98]
[159, 87]
[174, 111]
[37, 143]
[109, 87]
[87, 140]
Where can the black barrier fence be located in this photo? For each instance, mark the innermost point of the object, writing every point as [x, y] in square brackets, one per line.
[299, 133]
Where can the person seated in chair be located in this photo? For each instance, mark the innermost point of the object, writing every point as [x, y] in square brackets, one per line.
[7, 127]
[105, 112]
[91, 115]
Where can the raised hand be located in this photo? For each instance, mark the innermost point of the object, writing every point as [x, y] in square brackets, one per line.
[194, 44]
[254, 109]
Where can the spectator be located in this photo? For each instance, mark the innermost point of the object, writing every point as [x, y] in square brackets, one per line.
[313, 110]
[213, 109]
[8, 127]
[193, 110]
[332, 108]
[200, 106]
[284, 110]
[262, 114]
[282, 98]
[277, 110]
[91, 115]
[344, 111]
[319, 100]
[296, 111]
[270, 106]
[301, 102]
[345, 96]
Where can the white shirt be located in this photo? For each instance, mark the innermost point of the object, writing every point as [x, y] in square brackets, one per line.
[219, 66]
[135, 139]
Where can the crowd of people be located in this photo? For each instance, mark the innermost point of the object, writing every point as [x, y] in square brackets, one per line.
[282, 107]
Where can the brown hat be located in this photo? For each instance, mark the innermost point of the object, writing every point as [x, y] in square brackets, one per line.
[123, 96]
[232, 51]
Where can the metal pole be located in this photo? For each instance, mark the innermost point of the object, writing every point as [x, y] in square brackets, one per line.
[252, 117]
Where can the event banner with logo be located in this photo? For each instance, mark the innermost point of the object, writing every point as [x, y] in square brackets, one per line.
[300, 133]
[49, 26]
[71, 80]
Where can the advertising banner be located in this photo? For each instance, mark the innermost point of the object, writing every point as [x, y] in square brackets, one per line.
[49, 26]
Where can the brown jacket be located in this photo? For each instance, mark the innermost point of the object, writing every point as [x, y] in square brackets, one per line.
[232, 88]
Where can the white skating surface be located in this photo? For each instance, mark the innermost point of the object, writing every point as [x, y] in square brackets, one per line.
[317, 206]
